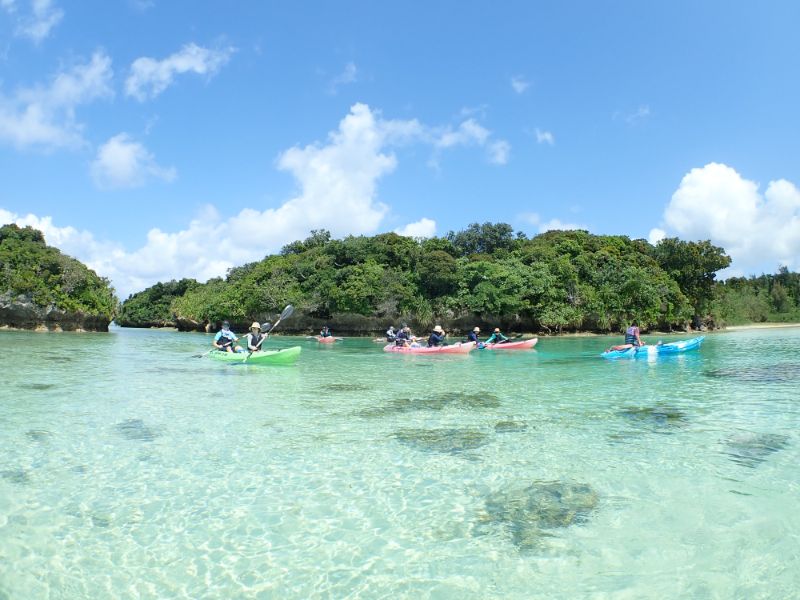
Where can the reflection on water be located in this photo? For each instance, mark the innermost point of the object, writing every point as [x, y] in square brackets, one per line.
[358, 474]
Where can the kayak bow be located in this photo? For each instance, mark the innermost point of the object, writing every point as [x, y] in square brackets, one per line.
[286, 356]
[523, 345]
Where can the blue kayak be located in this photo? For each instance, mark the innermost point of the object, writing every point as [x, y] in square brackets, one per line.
[656, 350]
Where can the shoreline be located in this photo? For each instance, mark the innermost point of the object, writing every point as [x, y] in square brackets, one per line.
[759, 326]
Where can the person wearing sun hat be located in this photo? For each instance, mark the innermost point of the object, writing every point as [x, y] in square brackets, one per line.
[255, 337]
[472, 336]
[497, 337]
[437, 337]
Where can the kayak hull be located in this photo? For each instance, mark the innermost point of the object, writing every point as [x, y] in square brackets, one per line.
[656, 350]
[286, 356]
[454, 349]
[326, 340]
[523, 345]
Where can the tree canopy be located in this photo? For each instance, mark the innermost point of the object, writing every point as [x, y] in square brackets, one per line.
[553, 282]
[29, 267]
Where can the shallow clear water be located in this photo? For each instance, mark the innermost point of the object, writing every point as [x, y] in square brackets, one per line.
[129, 468]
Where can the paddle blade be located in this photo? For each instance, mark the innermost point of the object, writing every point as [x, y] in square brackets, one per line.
[287, 312]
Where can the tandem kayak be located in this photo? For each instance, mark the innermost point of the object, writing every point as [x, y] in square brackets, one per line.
[523, 345]
[656, 350]
[285, 356]
[454, 349]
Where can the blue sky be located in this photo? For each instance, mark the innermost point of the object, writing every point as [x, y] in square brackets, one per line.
[155, 140]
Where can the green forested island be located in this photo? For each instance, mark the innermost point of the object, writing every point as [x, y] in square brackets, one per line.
[559, 281]
[41, 288]
[487, 275]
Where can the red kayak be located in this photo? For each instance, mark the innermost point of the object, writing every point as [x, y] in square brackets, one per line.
[326, 340]
[454, 349]
[523, 345]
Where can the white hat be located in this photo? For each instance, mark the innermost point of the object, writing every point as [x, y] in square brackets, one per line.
[255, 325]
[438, 329]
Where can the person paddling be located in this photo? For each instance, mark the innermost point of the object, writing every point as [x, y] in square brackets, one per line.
[391, 334]
[632, 339]
[404, 337]
[225, 339]
[437, 337]
[326, 332]
[472, 336]
[497, 337]
[254, 343]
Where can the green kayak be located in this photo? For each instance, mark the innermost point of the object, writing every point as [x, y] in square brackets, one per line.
[285, 356]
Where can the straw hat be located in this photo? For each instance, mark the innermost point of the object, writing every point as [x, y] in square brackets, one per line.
[438, 329]
[255, 325]
[497, 330]
[476, 329]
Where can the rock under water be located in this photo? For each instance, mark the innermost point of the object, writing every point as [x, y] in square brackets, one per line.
[450, 441]
[658, 417]
[751, 449]
[530, 513]
[436, 402]
[135, 429]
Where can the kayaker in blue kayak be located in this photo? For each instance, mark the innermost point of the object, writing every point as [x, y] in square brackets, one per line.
[632, 339]
[437, 337]
[472, 336]
[497, 337]
[326, 332]
[254, 343]
[225, 339]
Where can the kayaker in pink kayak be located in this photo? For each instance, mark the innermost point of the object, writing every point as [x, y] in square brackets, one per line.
[472, 336]
[405, 339]
[437, 337]
[326, 332]
[497, 337]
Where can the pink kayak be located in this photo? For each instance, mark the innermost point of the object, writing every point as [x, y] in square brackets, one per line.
[523, 345]
[454, 349]
[326, 340]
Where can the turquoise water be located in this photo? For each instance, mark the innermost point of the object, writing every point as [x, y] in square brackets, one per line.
[131, 469]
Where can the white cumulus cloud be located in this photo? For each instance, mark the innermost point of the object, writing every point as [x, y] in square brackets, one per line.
[519, 84]
[544, 137]
[337, 189]
[499, 152]
[124, 163]
[551, 225]
[424, 228]
[759, 231]
[44, 116]
[149, 77]
[36, 24]
[348, 75]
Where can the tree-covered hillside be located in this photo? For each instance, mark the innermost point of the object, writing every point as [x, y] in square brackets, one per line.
[47, 278]
[485, 274]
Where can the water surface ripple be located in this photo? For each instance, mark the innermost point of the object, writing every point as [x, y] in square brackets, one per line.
[130, 469]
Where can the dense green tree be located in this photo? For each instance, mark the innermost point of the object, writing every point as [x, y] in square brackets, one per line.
[28, 266]
[693, 265]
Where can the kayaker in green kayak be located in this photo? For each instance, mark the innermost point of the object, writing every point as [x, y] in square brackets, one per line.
[225, 339]
[497, 337]
[437, 337]
[254, 343]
